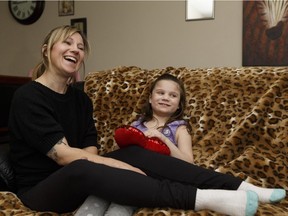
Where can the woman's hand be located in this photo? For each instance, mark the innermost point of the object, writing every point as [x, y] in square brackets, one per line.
[119, 164]
[113, 162]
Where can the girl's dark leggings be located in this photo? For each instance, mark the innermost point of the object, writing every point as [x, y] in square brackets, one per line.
[169, 183]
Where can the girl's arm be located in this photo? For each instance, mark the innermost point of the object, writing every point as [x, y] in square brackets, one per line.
[63, 154]
[183, 139]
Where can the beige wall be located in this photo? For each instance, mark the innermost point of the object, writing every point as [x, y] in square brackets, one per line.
[148, 34]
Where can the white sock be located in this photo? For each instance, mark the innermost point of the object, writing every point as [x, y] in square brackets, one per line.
[119, 210]
[266, 195]
[230, 202]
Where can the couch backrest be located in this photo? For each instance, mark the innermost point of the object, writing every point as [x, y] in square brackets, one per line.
[220, 102]
[117, 96]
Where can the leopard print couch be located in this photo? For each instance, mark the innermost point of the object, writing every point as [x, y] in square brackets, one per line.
[239, 119]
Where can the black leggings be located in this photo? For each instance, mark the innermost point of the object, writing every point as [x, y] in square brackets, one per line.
[169, 183]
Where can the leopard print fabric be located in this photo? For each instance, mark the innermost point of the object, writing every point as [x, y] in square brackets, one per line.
[10, 205]
[239, 118]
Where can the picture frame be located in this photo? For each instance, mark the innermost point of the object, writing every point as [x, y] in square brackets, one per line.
[66, 8]
[265, 36]
[81, 24]
[199, 10]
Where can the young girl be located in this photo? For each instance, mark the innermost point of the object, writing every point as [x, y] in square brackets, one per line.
[163, 117]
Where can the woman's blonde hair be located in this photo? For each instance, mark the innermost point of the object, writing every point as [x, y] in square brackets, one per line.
[60, 33]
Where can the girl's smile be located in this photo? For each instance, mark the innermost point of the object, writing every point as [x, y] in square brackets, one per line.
[165, 98]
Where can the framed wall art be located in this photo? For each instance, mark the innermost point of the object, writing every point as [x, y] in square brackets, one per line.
[66, 8]
[81, 24]
[199, 9]
[265, 33]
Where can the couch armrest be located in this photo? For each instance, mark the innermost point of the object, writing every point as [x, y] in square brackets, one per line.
[6, 171]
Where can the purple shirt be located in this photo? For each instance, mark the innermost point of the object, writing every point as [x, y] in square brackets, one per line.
[169, 131]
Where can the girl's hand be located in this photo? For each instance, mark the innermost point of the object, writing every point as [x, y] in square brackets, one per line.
[155, 133]
[184, 149]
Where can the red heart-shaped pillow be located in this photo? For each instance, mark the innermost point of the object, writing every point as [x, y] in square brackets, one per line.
[156, 145]
[128, 135]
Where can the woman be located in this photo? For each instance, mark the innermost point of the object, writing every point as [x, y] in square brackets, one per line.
[54, 150]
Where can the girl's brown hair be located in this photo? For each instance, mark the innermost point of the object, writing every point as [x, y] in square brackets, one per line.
[147, 112]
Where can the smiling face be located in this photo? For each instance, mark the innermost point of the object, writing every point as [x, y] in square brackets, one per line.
[165, 98]
[66, 56]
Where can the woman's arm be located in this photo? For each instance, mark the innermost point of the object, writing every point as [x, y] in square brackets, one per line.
[184, 149]
[63, 154]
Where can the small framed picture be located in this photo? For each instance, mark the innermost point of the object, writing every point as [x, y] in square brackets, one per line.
[81, 24]
[66, 8]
